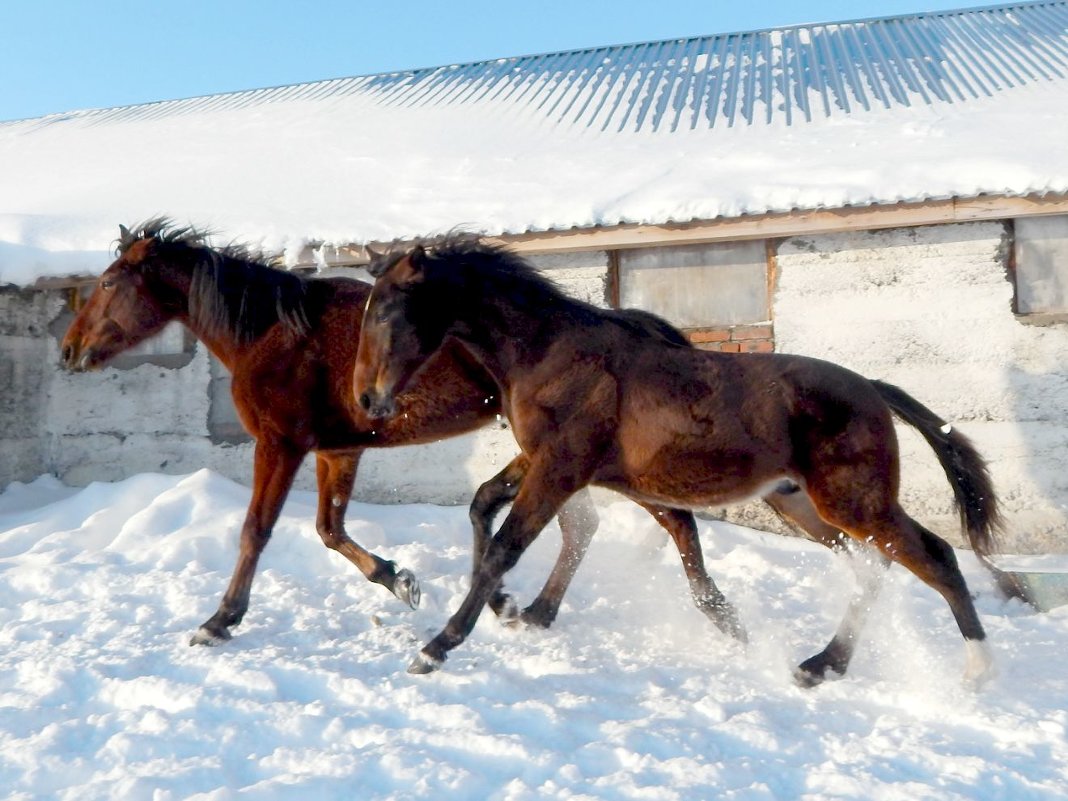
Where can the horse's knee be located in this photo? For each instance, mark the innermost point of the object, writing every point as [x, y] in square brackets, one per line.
[331, 538]
[487, 502]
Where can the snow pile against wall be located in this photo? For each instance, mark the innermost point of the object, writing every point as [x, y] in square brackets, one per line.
[929, 309]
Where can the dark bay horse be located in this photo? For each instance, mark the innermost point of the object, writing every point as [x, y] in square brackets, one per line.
[289, 343]
[593, 400]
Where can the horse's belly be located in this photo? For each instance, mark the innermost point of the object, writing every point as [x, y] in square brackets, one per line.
[696, 478]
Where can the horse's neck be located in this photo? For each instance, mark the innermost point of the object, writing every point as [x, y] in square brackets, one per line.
[222, 341]
[222, 345]
[505, 350]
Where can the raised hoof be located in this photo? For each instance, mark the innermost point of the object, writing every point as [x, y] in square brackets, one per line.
[507, 611]
[210, 636]
[423, 664]
[406, 587]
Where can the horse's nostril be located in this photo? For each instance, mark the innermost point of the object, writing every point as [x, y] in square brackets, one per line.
[365, 401]
[67, 350]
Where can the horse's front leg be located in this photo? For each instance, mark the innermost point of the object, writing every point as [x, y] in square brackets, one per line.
[489, 499]
[274, 466]
[336, 474]
[578, 523]
[540, 496]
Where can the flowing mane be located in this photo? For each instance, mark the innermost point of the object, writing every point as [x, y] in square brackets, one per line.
[467, 264]
[232, 289]
[462, 260]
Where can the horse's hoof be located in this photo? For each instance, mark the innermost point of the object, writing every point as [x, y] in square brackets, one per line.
[423, 664]
[210, 637]
[406, 587]
[817, 669]
[537, 616]
[507, 611]
[806, 679]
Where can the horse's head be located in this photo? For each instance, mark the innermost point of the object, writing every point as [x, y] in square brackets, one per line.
[402, 328]
[126, 306]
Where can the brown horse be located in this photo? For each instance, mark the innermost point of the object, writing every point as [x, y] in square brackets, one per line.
[593, 400]
[289, 343]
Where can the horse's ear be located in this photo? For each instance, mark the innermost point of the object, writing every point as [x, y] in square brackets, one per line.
[416, 261]
[124, 232]
[373, 254]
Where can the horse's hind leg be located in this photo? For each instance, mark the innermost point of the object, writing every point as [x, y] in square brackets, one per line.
[335, 474]
[930, 559]
[274, 466]
[706, 595]
[933, 561]
[869, 566]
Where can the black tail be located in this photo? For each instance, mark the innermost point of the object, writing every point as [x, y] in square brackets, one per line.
[965, 468]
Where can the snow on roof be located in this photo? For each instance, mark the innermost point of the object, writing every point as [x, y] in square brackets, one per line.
[926, 106]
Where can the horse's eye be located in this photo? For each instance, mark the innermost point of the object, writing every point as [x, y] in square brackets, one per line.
[107, 283]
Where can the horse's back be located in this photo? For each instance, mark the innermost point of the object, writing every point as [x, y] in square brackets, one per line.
[744, 416]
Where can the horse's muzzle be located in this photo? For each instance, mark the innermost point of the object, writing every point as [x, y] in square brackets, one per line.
[75, 359]
[377, 405]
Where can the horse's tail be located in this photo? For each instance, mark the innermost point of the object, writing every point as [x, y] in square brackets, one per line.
[966, 470]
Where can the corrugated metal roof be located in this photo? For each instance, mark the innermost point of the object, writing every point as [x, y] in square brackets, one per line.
[790, 74]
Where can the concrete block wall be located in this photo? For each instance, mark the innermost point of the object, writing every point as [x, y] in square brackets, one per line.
[106, 425]
[930, 310]
[26, 365]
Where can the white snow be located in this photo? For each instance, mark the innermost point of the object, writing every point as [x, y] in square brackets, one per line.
[344, 169]
[633, 694]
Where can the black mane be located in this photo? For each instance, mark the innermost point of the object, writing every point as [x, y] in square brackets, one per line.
[470, 264]
[493, 265]
[465, 262]
[231, 288]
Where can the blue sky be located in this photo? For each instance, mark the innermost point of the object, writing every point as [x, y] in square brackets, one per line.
[61, 55]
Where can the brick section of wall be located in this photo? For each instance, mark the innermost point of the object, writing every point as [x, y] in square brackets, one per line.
[759, 338]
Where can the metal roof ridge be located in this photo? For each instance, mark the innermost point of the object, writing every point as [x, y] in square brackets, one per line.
[571, 52]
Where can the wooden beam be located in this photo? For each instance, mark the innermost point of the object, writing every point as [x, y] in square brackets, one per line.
[792, 223]
[775, 225]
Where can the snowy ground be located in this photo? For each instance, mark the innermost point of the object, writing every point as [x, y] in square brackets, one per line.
[632, 695]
